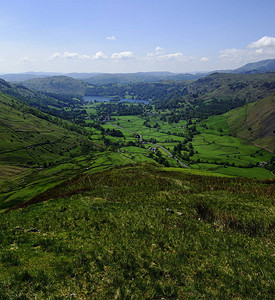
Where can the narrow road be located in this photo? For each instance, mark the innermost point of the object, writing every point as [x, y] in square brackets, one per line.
[156, 145]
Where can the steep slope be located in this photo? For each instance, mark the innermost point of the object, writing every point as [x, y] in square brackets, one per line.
[57, 85]
[262, 66]
[255, 122]
[43, 101]
[244, 87]
[37, 150]
[29, 136]
[142, 232]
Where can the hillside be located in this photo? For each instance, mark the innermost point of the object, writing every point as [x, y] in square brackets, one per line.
[142, 232]
[48, 103]
[24, 128]
[244, 87]
[56, 85]
[255, 122]
[26, 76]
[130, 78]
[213, 94]
[262, 66]
[36, 150]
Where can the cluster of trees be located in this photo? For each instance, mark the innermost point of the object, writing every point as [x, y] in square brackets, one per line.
[159, 158]
[114, 132]
[159, 91]
[119, 109]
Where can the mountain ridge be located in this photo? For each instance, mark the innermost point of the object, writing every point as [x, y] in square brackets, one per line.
[262, 66]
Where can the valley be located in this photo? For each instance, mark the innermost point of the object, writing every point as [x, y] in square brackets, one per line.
[137, 150]
[151, 198]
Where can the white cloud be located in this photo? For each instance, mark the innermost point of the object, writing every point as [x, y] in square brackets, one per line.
[69, 55]
[204, 59]
[54, 56]
[123, 55]
[233, 54]
[247, 55]
[159, 51]
[73, 55]
[173, 56]
[264, 42]
[99, 55]
[159, 55]
[111, 38]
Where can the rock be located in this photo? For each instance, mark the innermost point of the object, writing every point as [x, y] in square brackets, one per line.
[33, 230]
[19, 228]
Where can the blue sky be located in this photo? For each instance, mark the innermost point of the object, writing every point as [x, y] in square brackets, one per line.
[130, 36]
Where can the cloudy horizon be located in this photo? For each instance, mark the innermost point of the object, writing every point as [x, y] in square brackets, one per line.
[126, 37]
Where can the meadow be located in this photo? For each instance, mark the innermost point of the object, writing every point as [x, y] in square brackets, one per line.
[141, 232]
[213, 146]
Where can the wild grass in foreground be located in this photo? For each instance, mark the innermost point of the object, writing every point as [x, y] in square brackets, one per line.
[142, 232]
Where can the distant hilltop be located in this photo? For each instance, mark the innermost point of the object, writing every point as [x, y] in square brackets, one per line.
[262, 66]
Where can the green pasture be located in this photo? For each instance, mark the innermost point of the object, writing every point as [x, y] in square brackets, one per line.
[141, 232]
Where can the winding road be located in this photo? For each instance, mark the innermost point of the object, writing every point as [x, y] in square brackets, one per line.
[156, 145]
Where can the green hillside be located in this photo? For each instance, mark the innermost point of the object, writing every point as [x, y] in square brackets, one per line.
[49, 103]
[262, 66]
[142, 232]
[36, 150]
[24, 129]
[244, 87]
[213, 94]
[57, 85]
[255, 122]
[88, 210]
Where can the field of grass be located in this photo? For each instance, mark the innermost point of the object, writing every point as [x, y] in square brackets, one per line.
[27, 139]
[255, 122]
[142, 232]
[40, 154]
[213, 144]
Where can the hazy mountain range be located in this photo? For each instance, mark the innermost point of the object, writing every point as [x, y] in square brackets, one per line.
[124, 78]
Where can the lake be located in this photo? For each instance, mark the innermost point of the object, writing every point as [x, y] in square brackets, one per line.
[107, 99]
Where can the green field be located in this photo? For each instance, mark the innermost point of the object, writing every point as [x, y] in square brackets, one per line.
[213, 144]
[141, 232]
[133, 201]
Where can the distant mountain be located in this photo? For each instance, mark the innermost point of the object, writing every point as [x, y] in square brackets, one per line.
[82, 76]
[262, 66]
[50, 103]
[242, 87]
[255, 122]
[27, 76]
[56, 84]
[129, 78]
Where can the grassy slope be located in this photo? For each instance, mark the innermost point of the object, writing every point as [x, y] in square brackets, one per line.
[255, 122]
[33, 98]
[248, 87]
[35, 153]
[29, 138]
[56, 84]
[212, 145]
[109, 235]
